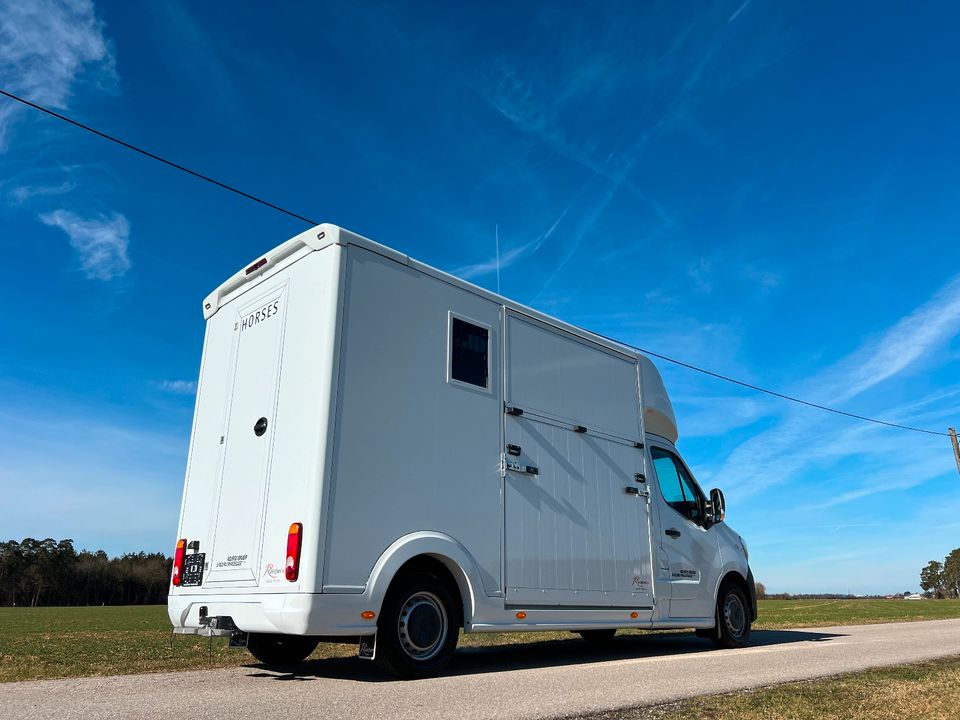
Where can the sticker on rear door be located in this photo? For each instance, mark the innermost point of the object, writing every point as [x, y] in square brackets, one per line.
[268, 310]
[271, 573]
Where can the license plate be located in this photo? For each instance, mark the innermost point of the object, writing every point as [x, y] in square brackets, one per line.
[192, 574]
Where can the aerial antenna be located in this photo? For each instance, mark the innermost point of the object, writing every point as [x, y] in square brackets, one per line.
[496, 231]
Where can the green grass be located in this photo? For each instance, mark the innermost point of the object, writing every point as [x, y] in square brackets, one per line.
[776, 614]
[929, 690]
[68, 642]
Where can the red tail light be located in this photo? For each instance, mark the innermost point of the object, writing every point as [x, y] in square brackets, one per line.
[294, 543]
[178, 560]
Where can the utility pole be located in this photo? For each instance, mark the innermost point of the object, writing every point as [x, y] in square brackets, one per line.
[956, 447]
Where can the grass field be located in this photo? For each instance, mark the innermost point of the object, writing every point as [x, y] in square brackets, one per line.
[67, 642]
[929, 690]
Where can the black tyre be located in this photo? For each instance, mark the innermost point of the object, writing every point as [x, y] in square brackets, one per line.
[280, 649]
[733, 618]
[419, 626]
[597, 637]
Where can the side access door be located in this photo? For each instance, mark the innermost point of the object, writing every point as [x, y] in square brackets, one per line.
[690, 550]
[577, 517]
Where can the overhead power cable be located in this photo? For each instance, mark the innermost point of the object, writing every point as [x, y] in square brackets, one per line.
[307, 220]
[774, 393]
[154, 156]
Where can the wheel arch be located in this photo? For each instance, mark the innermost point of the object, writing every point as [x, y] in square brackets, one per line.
[433, 552]
[746, 584]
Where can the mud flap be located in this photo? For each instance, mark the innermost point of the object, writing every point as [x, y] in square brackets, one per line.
[368, 647]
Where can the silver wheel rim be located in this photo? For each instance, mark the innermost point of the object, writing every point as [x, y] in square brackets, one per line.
[734, 615]
[422, 626]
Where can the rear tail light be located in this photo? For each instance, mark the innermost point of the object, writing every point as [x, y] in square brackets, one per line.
[294, 543]
[178, 560]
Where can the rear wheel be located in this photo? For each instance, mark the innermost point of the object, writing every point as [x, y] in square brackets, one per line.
[418, 627]
[280, 649]
[733, 618]
[597, 637]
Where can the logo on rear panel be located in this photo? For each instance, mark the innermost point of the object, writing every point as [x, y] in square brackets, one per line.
[272, 571]
[259, 315]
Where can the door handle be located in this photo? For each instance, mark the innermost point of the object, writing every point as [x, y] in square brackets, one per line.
[673, 532]
[517, 467]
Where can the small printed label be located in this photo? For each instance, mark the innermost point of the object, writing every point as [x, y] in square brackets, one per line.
[232, 561]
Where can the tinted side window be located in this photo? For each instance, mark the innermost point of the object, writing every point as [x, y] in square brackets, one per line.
[468, 352]
[675, 485]
[667, 477]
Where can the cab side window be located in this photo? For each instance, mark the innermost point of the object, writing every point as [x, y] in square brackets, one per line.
[676, 486]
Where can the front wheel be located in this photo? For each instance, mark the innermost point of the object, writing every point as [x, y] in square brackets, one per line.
[281, 649]
[733, 618]
[418, 627]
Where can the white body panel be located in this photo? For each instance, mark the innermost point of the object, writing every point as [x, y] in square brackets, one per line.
[384, 453]
[574, 537]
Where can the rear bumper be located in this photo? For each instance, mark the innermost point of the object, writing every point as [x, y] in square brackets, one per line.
[287, 613]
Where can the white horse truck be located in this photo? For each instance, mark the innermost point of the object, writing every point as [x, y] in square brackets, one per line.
[384, 454]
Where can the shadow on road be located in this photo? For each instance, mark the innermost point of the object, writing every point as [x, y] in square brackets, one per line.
[548, 653]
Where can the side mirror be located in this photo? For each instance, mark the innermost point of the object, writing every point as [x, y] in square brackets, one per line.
[718, 505]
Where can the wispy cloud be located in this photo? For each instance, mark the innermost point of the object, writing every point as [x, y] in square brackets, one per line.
[20, 194]
[553, 105]
[100, 242]
[700, 273]
[762, 278]
[514, 254]
[736, 13]
[799, 441]
[507, 258]
[913, 337]
[584, 227]
[515, 99]
[178, 387]
[44, 47]
[701, 419]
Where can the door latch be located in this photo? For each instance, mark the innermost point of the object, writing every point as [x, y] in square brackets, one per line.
[517, 467]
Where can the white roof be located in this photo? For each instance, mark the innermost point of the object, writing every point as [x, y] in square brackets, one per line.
[658, 415]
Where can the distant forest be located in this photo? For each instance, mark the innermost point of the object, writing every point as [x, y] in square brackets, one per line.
[51, 572]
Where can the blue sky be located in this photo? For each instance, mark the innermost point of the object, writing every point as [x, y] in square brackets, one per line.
[768, 190]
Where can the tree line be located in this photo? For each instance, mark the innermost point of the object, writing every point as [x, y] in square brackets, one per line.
[942, 579]
[52, 572]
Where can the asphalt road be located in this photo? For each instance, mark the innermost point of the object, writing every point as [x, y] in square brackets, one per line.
[540, 680]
